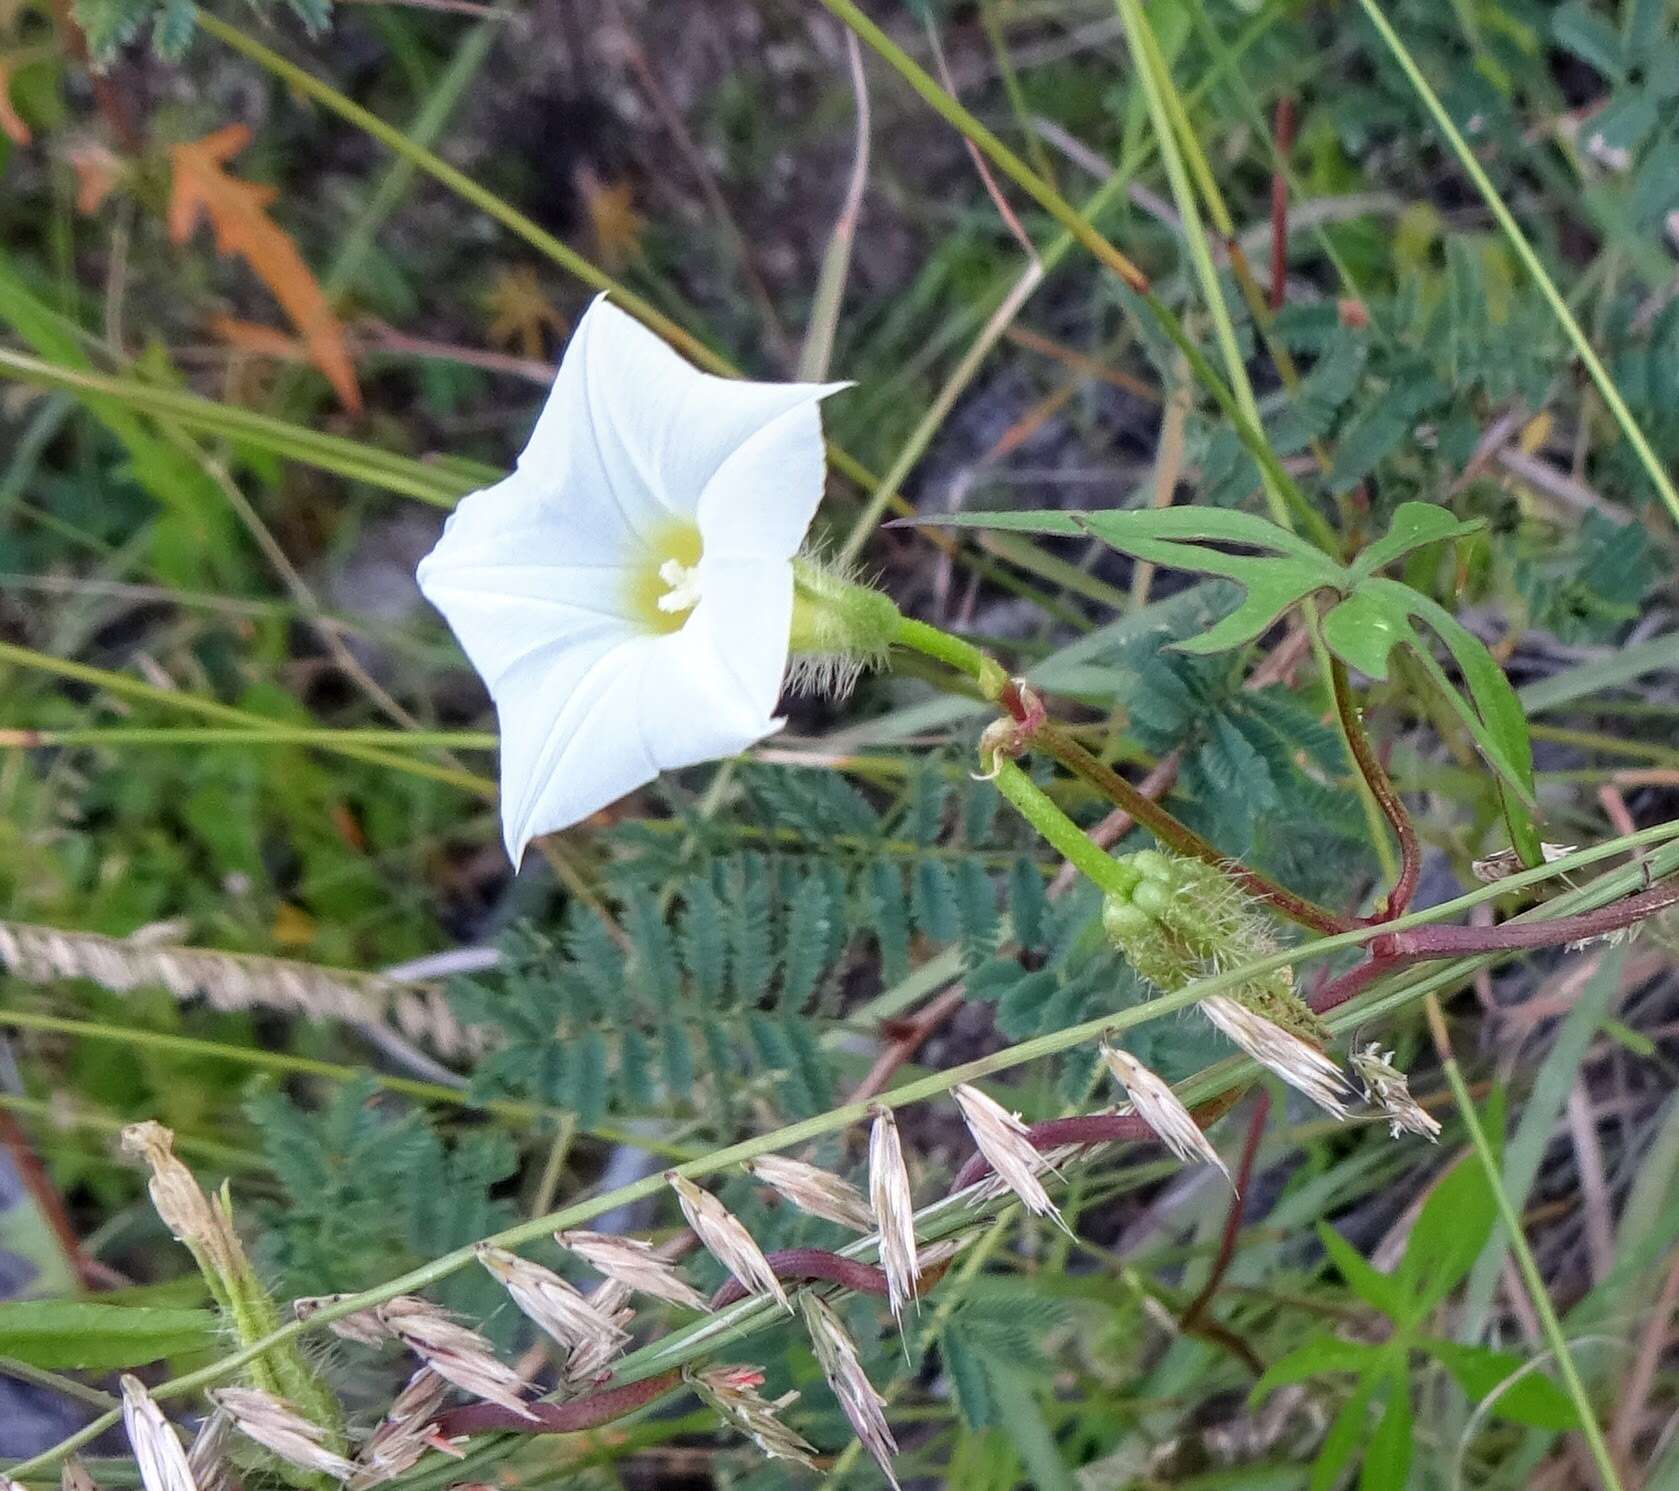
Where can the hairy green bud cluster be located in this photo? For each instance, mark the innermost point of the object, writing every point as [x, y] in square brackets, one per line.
[841, 628]
[1184, 919]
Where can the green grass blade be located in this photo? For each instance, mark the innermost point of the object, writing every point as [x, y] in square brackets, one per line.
[1530, 259]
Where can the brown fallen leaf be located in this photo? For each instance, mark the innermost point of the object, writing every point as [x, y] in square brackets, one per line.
[238, 211]
[10, 120]
[520, 312]
[616, 225]
[264, 341]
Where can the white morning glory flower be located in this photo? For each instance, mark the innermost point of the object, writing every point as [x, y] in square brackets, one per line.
[627, 593]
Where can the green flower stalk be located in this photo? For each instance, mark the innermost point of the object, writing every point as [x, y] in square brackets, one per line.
[1183, 920]
[204, 1224]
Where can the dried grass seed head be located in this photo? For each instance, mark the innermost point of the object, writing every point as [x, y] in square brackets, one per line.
[553, 1303]
[362, 1326]
[732, 1393]
[815, 1190]
[454, 1351]
[1387, 1088]
[1161, 1109]
[281, 1429]
[208, 1458]
[837, 1355]
[157, 1452]
[1005, 1141]
[406, 1432]
[893, 1206]
[1299, 1064]
[725, 1237]
[634, 1264]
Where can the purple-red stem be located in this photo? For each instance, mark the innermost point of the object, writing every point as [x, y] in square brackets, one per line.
[1382, 789]
[1233, 1218]
[804, 1265]
[1282, 134]
[1452, 942]
[559, 1418]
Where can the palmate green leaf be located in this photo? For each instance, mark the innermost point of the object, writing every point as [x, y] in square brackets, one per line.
[1363, 631]
[1372, 617]
[1313, 1359]
[1387, 1462]
[1531, 1399]
[1345, 1435]
[1414, 525]
[82, 1336]
[1386, 1292]
[974, 1398]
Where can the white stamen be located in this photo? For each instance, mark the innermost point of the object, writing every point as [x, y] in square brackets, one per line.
[684, 582]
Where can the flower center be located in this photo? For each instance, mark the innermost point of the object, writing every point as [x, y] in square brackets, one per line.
[684, 582]
[665, 585]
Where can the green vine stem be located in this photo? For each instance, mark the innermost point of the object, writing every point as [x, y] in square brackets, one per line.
[1179, 836]
[1060, 832]
[1537, 1291]
[994, 683]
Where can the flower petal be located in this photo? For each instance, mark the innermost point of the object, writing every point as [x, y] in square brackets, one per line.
[571, 735]
[744, 621]
[759, 502]
[628, 411]
[501, 614]
[524, 519]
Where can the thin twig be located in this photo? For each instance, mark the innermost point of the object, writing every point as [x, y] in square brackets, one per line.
[1197, 1307]
[1282, 132]
[1382, 789]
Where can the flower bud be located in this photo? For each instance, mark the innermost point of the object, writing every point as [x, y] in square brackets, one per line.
[840, 629]
[1185, 920]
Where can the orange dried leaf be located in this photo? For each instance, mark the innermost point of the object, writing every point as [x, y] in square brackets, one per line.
[238, 211]
[10, 120]
[253, 336]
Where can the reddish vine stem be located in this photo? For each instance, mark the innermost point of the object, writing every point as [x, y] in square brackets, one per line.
[1382, 789]
[1282, 134]
[810, 1265]
[1452, 942]
[1093, 1128]
[1191, 1316]
[588, 1412]
[1179, 836]
[1400, 949]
